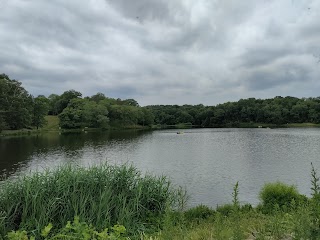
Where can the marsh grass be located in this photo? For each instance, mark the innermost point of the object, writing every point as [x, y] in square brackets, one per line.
[102, 196]
[149, 209]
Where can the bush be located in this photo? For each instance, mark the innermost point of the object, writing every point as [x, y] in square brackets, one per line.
[280, 196]
[102, 196]
[226, 209]
[199, 212]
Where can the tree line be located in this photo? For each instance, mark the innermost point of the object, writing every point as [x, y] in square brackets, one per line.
[19, 109]
[278, 111]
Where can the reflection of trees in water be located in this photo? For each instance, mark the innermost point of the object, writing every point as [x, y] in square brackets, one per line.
[17, 153]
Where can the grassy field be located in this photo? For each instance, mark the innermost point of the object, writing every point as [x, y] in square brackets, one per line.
[52, 123]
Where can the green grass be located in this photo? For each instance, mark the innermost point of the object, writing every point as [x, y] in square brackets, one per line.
[251, 224]
[18, 132]
[52, 123]
[147, 208]
[102, 196]
[302, 125]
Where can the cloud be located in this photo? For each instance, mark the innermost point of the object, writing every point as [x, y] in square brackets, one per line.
[163, 52]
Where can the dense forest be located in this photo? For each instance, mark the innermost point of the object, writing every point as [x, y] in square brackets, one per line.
[278, 111]
[19, 109]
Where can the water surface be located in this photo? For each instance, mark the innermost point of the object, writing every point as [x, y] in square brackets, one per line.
[207, 162]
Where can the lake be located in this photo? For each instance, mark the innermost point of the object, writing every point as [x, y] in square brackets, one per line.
[207, 162]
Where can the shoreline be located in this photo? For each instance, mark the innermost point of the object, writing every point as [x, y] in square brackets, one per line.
[23, 132]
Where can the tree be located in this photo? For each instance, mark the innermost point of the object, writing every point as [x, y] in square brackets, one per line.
[131, 102]
[40, 110]
[71, 116]
[147, 117]
[53, 99]
[2, 123]
[15, 103]
[65, 98]
[95, 115]
[84, 113]
[97, 97]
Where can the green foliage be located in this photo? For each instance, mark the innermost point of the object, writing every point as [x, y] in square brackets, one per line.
[84, 113]
[18, 111]
[276, 111]
[315, 204]
[63, 101]
[40, 110]
[73, 230]
[315, 186]
[15, 104]
[98, 111]
[235, 196]
[98, 97]
[53, 99]
[102, 196]
[2, 123]
[231, 221]
[280, 196]
[199, 212]
[225, 210]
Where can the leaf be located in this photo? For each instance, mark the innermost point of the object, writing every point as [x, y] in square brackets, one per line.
[45, 232]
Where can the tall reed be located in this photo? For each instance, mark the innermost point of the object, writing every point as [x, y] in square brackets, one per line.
[100, 195]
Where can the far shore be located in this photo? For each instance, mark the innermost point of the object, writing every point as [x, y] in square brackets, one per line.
[52, 126]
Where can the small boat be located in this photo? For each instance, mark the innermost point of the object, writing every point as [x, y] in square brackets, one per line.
[180, 132]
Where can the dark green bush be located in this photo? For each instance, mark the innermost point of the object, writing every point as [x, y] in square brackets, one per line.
[199, 212]
[280, 196]
[226, 209]
[246, 208]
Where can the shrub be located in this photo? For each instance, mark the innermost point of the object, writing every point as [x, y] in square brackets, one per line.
[199, 212]
[280, 196]
[226, 209]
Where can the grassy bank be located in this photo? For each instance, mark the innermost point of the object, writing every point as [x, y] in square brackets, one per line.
[77, 203]
[268, 125]
[102, 196]
[52, 125]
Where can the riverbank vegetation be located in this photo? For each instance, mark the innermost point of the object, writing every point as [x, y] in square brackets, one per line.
[20, 110]
[102, 196]
[118, 202]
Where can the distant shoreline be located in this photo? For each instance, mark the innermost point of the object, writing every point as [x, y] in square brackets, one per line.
[23, 132]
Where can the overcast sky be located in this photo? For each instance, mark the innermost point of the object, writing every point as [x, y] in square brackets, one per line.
[163, 52]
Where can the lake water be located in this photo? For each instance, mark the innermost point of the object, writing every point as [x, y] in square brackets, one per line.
[207, 162]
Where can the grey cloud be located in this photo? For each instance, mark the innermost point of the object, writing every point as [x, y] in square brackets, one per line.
[282, 75]
[142, 10]
[162, 51]
[263, 56]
